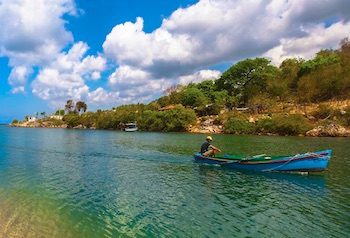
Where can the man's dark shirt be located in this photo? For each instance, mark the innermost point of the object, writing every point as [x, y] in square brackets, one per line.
[205, 147]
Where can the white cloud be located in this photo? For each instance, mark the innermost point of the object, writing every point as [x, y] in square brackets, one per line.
[126, 75]
[316, 38]
[18, 78]
[214, 31]
[220, 31]
[210, 32]
[65, 77]
[135, 85]
[32, 32]
[200, 76]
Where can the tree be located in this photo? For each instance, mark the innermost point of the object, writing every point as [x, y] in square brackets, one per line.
[345, 47]
[207, 87]
[80, 105]
[324, 58]
[247, 78]
[219, 99]
[69, 106]
[60, 112]
[194, 97]
[323, 77]
[289, 70]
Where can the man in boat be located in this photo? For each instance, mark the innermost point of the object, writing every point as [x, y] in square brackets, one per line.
[208, 149]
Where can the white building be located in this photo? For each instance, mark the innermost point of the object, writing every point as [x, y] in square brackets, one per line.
[30, 118]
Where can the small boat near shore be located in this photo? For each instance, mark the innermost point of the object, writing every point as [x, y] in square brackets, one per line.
[307, 162]
[130, 127]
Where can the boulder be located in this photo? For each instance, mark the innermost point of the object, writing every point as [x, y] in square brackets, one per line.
[332, 130]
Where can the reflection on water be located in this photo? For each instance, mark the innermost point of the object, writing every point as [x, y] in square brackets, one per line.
[68, 183]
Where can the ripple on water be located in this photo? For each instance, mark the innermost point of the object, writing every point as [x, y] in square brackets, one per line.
[86, 184]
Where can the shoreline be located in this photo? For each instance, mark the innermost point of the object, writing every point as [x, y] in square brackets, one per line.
[331, 130]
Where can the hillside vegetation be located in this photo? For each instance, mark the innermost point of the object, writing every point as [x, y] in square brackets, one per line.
[251, 97]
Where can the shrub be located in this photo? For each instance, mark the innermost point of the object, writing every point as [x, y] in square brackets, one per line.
[239, 125]
[265, 125]
[294, 124]
[72, 120]
[346, 116]
[324, 111]
[176, 119]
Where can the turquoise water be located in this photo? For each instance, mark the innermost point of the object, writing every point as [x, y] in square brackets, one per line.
[82, 183]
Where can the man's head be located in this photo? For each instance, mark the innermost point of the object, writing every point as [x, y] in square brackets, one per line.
[209, 138]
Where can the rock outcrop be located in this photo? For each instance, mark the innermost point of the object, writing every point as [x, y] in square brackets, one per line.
[206, 127]
[332, 130]
[37, 124]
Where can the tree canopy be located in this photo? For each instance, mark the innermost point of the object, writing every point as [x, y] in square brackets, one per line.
[248, 83]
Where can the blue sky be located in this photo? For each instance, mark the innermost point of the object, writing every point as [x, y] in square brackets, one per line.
[113, 52]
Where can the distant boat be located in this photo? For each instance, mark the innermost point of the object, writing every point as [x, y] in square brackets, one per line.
[308, 162]
[130, 127]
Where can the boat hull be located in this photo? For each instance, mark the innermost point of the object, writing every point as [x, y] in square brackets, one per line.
[308, 162]
[131, 129]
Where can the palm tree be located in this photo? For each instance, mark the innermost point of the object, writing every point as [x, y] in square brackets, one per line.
[80, 106]
[69, 106]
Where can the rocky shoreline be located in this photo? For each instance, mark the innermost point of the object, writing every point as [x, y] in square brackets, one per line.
[203, 127]
[331, 130]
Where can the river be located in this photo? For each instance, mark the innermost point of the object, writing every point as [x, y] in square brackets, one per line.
[90, 183]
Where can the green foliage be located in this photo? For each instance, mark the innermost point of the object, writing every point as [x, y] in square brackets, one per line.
[72, 120]
[89, 119]
[164, 101]
[80, 106]
[14, 121]
[323, 112]
[207, 87]
[219, 100]
[247, 78]
[176, 120]
[294, 124]
[347, 116]
[60, 112]
[194, 97]
[248, 83]
[323, 58]
[285, 83]
[69, 106]
[324, 77]
[326, 114]
[54, 121]
[324, 84]
[239, 125]
[150, 121]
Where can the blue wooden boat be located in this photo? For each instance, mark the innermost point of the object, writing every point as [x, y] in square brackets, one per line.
[308, 162]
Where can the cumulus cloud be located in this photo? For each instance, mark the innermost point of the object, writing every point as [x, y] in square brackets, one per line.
[32, 32]
[214, 31]
[135, 85]
[65, 77]
[317, 37]
[143, 64]
[18, 78]
[200, 76]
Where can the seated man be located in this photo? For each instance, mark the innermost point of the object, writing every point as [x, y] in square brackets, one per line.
[207, 149]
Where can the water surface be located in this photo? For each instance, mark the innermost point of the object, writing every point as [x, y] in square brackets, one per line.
[82, 183]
